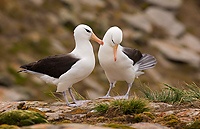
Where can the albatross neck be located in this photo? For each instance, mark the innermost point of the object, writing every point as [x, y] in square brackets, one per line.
[83, 47]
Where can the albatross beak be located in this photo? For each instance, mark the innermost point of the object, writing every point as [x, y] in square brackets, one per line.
[95, 38]
[115, 52]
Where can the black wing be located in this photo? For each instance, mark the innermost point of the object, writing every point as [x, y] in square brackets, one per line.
[53, 66]
[133, 54]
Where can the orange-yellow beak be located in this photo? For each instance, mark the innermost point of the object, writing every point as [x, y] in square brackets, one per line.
[95, 38]
[115, 52]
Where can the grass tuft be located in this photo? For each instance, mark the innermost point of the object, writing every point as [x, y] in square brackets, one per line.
[133, 106]
[170, 94]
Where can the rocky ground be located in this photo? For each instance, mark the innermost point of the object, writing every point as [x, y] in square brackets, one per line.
[33, 29]
[59, 115]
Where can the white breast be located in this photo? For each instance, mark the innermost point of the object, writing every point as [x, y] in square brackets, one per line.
[120, 70]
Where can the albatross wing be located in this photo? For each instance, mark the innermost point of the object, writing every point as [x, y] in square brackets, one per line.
[145, 61]
[53, 66]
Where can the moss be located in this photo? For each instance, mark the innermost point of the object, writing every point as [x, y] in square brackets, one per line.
[118, 126]
[149, 114]
[172, 122]
[170, 117]
[195, 125]
[120, 118]
[101, 118]
[138, 118]
[21, 118]
[5, 126]
[66, 121]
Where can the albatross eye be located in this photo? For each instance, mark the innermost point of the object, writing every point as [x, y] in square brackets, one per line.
[113, 41]
[88, 30]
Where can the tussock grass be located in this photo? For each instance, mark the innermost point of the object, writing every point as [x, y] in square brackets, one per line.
[170, 94]
[133, 106]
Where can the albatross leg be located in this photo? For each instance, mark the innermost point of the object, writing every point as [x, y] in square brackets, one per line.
[108, 93]
[126, 96]
[79, 102]
[64, 94]
[70, 105]
[70, 92]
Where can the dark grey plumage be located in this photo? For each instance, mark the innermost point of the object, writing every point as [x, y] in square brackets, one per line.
[53, 66]
[133, 54]
[145, 61]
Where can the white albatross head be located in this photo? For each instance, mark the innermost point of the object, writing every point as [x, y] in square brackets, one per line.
[113, 38]
[85, 32]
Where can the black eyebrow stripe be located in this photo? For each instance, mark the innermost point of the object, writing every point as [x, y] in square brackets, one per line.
[87, 30]
[112, 40]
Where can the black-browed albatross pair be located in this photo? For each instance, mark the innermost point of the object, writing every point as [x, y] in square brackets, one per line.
[119, 63]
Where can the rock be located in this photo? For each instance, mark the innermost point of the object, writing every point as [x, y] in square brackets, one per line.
[67, 16]
[138, 21]
[58, 46]
[37, 2]
[5, 81]
[159, 105]
[129, 33]
[52, 18]
[64, 126]
[144, 125]
[88, 16]
[176, 53]
[93, 3]
[165, 20]
[52, 116]
[169, 4]
[190, 41]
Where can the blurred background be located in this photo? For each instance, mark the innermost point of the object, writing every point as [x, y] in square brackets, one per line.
[33, 29]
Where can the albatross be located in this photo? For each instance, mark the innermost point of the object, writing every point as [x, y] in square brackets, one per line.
[66, 69]
[121, 63]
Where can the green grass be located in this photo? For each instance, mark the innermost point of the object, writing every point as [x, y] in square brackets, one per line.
[170, 94]
[195, 125]
[118, 126]
[133, 106]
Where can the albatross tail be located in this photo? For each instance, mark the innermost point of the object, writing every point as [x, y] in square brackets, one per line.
[146, 62]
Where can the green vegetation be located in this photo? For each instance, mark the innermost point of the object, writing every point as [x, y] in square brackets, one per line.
[133, 106]
[171, 94]
[195, 125]
[21, 118]
[170, 120]
[118, 126]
